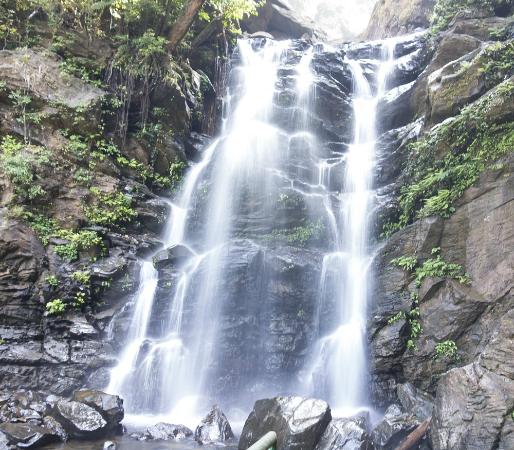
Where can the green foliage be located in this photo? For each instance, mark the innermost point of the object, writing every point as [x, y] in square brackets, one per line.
[47, 228]
[20, 163]
[55, 307]
[78, 241]
[230, 12]
[177, 171]
[469, 143]
[405, 262]
[110, 208]
[301, 235]
[446, 349]
[397, 317]
[437, 267]
[81, 276]
[52, 280]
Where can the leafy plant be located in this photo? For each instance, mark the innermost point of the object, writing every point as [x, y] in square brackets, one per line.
[55, 307]
[81, 276]
[110, 208]
[446, 349]
[52, 280]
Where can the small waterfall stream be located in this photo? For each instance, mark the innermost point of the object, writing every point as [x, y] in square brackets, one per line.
[339, 363]
[272, 190]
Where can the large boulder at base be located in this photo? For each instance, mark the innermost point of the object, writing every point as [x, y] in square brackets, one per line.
[24, 435]
[346, 434]
[299, 422]
[214, 427]
[80, 420]
[109, 406]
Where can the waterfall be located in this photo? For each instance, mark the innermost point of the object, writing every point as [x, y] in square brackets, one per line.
[338, 369]
[272, 202]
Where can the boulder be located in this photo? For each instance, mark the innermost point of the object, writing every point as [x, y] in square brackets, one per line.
[346, 434]
[109, 406]
[27, 436]
[213, 428]
[172, 256]
[80, 420]
[299, 422]
[455, 85]
[394, 427]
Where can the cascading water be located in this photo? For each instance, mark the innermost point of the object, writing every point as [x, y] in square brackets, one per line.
[245, 234]
[339, 366]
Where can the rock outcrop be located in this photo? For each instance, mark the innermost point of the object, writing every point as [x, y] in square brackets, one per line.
[281, 21]
[397, 17]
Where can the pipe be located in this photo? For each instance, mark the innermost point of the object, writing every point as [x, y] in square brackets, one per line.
[266, 442]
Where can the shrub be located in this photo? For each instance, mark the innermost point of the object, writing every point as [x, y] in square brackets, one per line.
[110, 208]
[446, 349]
[55, 307]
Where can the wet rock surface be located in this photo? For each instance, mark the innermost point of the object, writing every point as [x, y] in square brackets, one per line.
[32, 419]
[213, 428]
[299, 422]
[346, 434]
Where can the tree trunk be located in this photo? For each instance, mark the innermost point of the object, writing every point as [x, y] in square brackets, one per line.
[183, 22]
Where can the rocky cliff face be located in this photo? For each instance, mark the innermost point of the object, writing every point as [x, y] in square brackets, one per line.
[441, 314]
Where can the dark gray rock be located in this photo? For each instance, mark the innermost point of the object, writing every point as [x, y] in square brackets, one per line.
[213, 428]
[299, 422]
[27, 436]
[415, 401]
[346, 434]
[109, 406]
[172, 256]
[278, 19]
